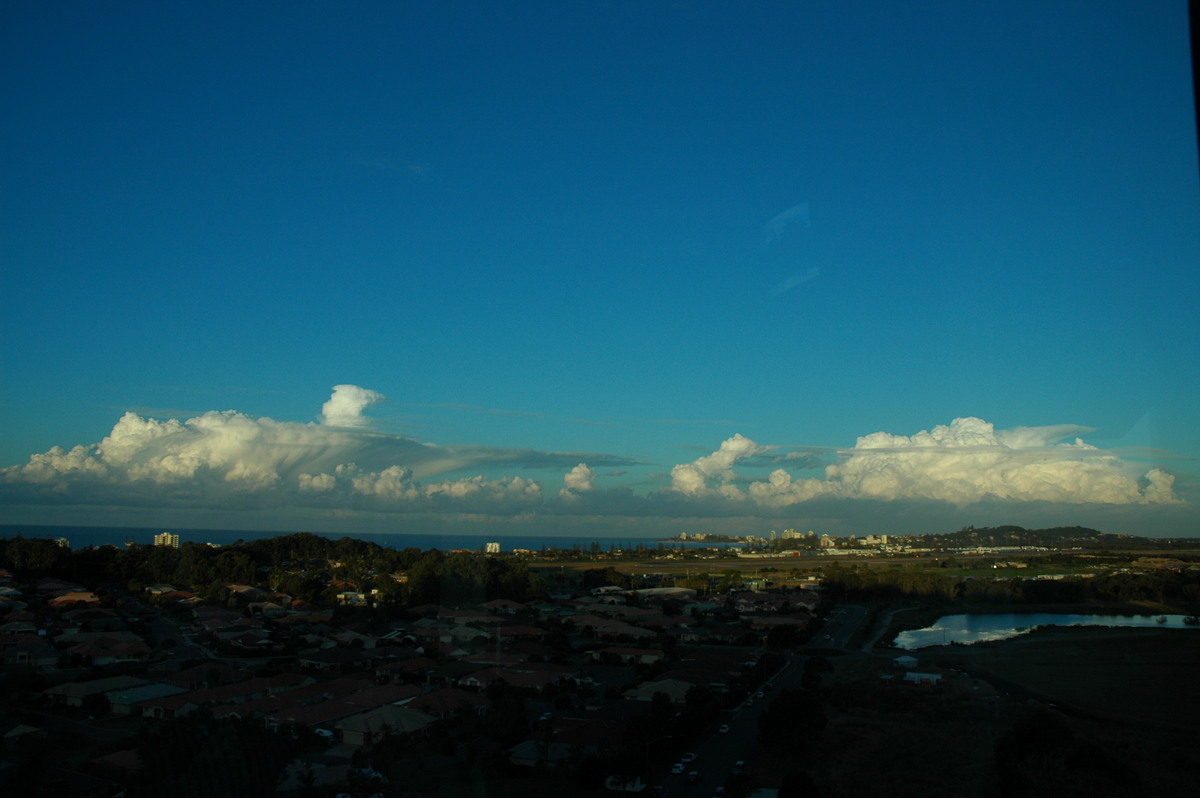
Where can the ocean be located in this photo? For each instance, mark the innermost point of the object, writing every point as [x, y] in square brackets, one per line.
[81, 537]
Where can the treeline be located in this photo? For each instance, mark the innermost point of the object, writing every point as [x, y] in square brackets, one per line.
[1161, 586]
[191, 564]
[463, 577]
[302, 565]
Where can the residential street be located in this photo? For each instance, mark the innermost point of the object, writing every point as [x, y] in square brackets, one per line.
[717, 756]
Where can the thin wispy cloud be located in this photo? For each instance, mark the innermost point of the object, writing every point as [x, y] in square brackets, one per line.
[501, 412]
[785, 222]
[801, 278]
[719, 422]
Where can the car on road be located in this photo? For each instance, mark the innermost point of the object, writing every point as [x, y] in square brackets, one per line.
[738, 767]
[677, 768]
[760, 694]
[693, 776]
[688, 757]
[723, 728]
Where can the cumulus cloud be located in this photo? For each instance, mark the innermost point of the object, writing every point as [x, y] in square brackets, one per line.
[780, 490]
[396, 488]
[969, 461]
[698, 476]
[1159, 487]
[227, 460]
[222, 457]
[579, 479]
[345, 407]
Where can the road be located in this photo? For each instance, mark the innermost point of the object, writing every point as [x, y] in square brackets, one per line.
[840, 627]
[717, 755]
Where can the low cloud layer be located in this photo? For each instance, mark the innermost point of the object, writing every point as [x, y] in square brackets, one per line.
[231, 461]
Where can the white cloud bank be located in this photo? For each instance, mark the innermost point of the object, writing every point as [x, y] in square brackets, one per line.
[220, 458]
[228, 460]
[969, 461]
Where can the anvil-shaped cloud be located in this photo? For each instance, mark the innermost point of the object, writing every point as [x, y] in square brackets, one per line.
[217, 457]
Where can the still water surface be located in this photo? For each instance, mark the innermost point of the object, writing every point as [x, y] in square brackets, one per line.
[969, 629]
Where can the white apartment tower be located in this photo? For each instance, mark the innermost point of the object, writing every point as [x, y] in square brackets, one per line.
[166, 539]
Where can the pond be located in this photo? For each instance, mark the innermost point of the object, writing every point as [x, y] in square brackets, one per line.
[967, 629]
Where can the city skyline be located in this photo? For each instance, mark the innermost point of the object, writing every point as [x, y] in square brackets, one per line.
[600, 269]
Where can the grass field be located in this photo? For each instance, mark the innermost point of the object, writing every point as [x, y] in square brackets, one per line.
[1142, 677]
[1127, 703]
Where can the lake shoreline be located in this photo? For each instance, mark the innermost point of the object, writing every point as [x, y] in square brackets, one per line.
[972, 629]
[912, 617]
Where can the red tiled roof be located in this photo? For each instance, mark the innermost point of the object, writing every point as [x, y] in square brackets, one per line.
[247, 689]
[410, 665]
[448, 700]
[124, 761]
[637, 652]
[172, 702]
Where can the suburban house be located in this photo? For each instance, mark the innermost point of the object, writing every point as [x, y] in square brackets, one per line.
[73, 694]
[127, 701]
[629, 656]
[675, 689]
[365, 727]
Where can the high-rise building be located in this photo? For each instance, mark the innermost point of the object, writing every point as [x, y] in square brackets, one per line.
[166, 539]
[492, 547]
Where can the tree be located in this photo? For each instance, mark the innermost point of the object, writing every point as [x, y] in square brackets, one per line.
[662, 713]
[32, 554]
[781, 638]
[791, 718]
[740, 785]
[798, 784]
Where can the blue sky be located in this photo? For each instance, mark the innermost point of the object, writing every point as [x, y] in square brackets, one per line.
[709, 251]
